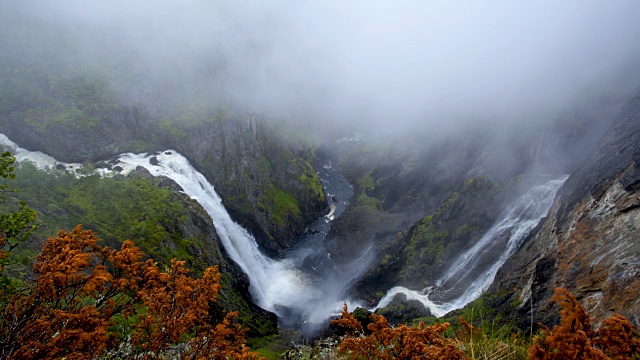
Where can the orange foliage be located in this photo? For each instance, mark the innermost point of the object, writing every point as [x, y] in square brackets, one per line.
[347, 323]
[468, 332]
[402, 342]
[574, 338]
[618, 338]
[81, 287]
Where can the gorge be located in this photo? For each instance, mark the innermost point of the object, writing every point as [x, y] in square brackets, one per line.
[409, 160]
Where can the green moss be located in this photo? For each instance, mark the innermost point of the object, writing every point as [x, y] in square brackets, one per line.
[271, 347]
[312, 182]
[366, 182]
[283, 205]
[366, 202]
[464, 230]
[385, 260]
[169, 127]
[426, 245]
[139, 146]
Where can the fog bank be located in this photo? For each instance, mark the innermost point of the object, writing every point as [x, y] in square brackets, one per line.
[384, 65]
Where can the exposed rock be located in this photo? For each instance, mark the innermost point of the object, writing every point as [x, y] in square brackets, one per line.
[590, 242]
[403, 311]
[322, 349]
[266, 182]
[417, 257]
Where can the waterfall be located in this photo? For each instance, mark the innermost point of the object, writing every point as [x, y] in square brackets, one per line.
[273, 283]
[305, 288]
[474, 270]
[306, 284]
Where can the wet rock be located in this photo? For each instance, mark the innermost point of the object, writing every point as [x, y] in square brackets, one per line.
[322, 349]
[589, 243]
[403, 311]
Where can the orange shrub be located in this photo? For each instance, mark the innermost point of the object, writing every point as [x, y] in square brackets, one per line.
[574, 338]
[80, 288]
[402, 342]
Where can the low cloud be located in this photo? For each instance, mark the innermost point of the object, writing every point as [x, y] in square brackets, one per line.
[384, 65]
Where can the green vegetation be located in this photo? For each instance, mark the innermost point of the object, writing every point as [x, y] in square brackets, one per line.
[135, 207]
[283, 204]
[118, 208]
[312, 183]
[171, 128]
[366, 184]
[426, 245]
[16, 220]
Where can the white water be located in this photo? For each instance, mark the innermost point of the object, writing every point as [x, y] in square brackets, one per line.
[276, 285]
[474, 271]
[40, 160]
[273, 282]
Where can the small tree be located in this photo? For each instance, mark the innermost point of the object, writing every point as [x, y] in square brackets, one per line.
[16, 226]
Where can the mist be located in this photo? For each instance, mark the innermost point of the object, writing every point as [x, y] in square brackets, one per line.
[390, 66]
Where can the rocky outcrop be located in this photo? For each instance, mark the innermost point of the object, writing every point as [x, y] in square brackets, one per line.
[397, 183]
[267, 182]
[590, 241]
[416, 258]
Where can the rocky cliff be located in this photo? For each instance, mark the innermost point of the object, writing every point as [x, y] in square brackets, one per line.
[265, 178]
[590, 241]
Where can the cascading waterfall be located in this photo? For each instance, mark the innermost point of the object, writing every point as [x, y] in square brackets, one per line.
[305, 283]
[273, 283]
[305, 286]
[474, 270]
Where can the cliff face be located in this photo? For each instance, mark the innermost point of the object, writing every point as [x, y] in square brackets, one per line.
[79, 115]
[590, 242]
[150, 211]
[417, 257]
[267, 182]
[398, 183]
[265, 179]
[205, 247]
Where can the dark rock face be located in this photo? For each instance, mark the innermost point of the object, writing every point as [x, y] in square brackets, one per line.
[120, 131]
[416, 258]
[267, 183]
[590, 242]
[403, 311]
[397, 185]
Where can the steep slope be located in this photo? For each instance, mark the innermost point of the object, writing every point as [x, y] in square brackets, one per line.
[416, 258]
[590, 242]
[152, 212]
[396, 183]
